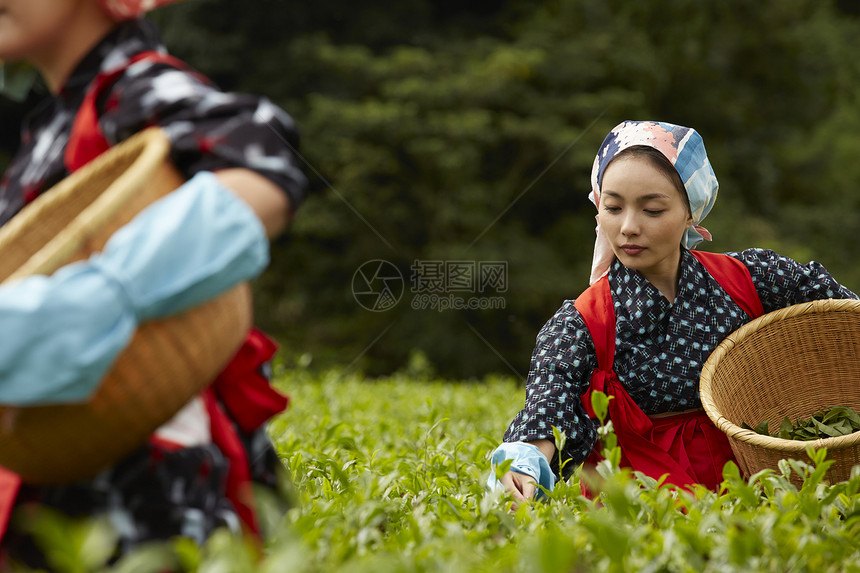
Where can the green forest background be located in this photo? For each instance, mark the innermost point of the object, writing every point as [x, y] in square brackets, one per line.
[465, 131]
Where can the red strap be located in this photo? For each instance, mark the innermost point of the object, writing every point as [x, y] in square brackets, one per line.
[10, 483]
[238, 486]
[244, 390]
[735, 278]
[251, 401]
[632, 426]
[595, 306]
[87, 140]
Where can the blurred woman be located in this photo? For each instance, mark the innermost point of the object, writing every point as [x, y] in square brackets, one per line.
[109, 77]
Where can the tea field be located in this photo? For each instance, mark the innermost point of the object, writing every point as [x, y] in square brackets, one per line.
[388, 475]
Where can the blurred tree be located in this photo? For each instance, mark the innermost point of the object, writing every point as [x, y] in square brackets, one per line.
[438, 131]
[462, 149]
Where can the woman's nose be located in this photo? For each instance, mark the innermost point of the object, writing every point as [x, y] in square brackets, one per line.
[630, 225]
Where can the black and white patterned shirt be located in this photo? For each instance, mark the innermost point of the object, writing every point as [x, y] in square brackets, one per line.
[208, 129]
[660, 346]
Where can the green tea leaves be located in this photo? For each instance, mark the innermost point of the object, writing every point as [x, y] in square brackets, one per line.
[600, 405]
[831, 423]
[390, 475]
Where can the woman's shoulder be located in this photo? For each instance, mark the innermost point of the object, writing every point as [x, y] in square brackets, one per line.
[209, 129]
[565, 338]
[759, 257]
[567, 315]
[150, 80]
[565, 322]
[782, 281]
[766, 262]
[566, 327]
[157, 82]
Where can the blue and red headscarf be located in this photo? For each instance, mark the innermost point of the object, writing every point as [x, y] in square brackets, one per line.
[684, 149]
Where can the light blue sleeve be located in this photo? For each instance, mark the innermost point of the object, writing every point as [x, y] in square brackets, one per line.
[527, 459]
[60, 334]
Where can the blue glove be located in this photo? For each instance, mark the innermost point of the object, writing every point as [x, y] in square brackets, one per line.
[61, 334]
[527, 459]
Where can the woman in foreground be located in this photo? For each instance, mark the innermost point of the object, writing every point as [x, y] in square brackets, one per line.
[109, 77]
[654, 312]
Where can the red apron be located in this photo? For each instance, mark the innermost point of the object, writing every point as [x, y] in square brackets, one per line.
[687, 447]
[240, 392]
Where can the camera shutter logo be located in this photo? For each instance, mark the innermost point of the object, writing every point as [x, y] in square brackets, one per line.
[377, 285]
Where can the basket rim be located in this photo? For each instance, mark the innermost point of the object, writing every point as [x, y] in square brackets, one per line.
[154, 147]
[735, 338]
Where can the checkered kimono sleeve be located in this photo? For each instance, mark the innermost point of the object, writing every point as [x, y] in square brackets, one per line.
[781, 281]
[209, 129]
[560, 372]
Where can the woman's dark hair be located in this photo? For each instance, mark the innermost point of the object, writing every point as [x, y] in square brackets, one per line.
[660, 162]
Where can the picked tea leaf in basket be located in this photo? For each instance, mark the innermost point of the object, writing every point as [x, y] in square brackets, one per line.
[791, 363]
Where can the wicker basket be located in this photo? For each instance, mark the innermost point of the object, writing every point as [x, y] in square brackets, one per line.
[167, 362]
[791, 362]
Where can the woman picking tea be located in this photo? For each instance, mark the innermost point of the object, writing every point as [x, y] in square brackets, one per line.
[654, 312]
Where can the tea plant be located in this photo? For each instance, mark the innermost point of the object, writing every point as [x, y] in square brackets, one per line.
[389, 475]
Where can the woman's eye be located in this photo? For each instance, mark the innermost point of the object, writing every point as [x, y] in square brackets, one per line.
[654, 212]
[612, 209]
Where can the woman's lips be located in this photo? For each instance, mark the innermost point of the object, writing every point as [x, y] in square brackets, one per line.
[632, 249]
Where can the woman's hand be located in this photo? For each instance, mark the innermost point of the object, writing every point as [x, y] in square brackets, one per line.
[522, 487]
[535, 466]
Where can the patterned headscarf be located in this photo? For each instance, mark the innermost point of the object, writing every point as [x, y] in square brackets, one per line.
[129, 9]
[684, 149]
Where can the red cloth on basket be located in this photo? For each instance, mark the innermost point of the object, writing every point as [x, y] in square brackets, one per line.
[687, 446]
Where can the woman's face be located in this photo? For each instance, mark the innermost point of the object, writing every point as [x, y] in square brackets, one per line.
[644, 216]
[30, 29]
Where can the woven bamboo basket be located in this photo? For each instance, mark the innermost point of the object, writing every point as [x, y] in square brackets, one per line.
[167, 362]
[791, 362]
